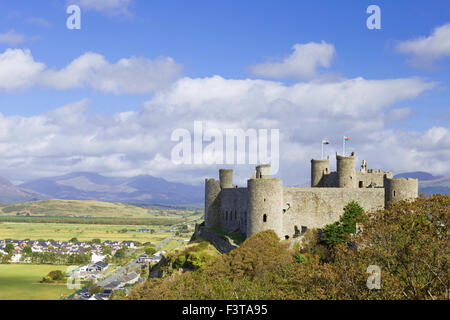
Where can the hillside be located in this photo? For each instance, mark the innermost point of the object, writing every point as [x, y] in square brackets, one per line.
[93, 186]
[75, 208]
[407, 236]
[10, 193]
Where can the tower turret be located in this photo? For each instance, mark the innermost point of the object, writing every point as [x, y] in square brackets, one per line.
[398, 189]
[226, 178]
[263, 171]
[212, 203]
[346, 171]
[318, 169]
[265, 198]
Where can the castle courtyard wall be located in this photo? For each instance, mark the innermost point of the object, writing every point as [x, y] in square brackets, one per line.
[317, 207]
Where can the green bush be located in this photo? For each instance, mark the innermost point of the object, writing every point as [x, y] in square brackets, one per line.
[56, 275]
[300, 258]
[338, 232]
[179, 262]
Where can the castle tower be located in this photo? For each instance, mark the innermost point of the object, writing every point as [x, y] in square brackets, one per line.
[265, 198]
[398, 189]
[346, 171]
[318, 170]
[263, 171]
[226, 178]
[212, 203]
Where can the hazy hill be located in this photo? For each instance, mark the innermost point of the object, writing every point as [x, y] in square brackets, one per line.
[10, 193]
[92, 186]
[75, 208]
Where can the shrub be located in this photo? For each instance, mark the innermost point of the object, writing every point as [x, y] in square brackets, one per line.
[56, 275]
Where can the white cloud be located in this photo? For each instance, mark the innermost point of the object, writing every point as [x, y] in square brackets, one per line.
[108, 7]
[12, 38]
[302, 63]
[18, 69]
[135, 75]
[399, 114]
[427, 50]
[138, 142]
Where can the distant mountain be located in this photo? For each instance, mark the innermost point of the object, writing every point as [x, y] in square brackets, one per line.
[428, 183]
[10, 193]
[92, 186]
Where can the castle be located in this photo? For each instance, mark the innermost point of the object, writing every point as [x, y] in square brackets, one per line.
[290, 211]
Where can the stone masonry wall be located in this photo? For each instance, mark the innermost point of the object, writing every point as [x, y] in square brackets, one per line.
[317, 207]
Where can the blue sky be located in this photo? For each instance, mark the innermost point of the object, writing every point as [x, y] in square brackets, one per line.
[227, 39]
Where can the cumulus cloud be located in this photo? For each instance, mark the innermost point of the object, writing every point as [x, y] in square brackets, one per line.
[139, 142]
[108, 7]
[12, 38]
[302, 63]
[135, 75]
[427, 50]
[18, 69]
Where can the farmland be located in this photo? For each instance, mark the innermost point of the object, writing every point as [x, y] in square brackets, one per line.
[21, 282]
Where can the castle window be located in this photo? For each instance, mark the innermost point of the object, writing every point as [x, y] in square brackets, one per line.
[265, 218]
[235, 214]
[361, 185]
[226, 217]
[286, 237]
[394, 193]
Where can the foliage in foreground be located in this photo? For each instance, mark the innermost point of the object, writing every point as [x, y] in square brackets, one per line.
[408, 241]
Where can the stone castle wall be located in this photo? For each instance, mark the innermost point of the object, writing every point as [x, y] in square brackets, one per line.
[316, 207]
[266, 204]
[234, 209]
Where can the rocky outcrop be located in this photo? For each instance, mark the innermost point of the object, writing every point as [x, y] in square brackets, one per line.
[221, 243]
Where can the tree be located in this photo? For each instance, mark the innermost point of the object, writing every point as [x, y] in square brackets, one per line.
[9, 247]
[120, 253]
[56, 275]
[27, 249]
[339, 232]
[73, 240]
[150, 251]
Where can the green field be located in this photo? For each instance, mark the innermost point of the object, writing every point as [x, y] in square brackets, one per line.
[83, 232]
[21, 282]
[75, 208]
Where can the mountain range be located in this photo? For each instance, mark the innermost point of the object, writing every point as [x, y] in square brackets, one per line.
[93, 186]
[143, 189]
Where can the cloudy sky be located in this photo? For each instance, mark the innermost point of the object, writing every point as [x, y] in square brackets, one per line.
[107, 98]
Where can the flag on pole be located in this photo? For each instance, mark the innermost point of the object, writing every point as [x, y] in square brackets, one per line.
[343, 144]
[324, 142]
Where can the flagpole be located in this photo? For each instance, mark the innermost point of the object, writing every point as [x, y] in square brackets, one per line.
[322, 149]
[343, 146]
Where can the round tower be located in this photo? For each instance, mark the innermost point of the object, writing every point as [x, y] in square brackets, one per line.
[226, 178]
[318, 170]
[265, 212]
[212, 203]
[398, 189]
[346, 171]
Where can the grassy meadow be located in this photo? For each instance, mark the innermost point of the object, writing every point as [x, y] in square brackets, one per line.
[21, 282]
[75, 208]
[83, 232]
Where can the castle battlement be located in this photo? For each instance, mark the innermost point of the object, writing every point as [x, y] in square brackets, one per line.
[290, 211]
